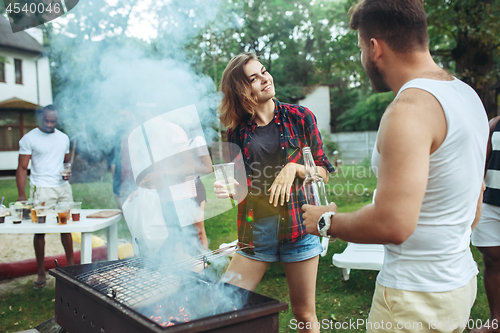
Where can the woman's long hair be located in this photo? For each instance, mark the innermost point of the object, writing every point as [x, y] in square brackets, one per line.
[238, 101]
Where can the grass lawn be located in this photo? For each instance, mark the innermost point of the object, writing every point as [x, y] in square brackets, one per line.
[350, 189]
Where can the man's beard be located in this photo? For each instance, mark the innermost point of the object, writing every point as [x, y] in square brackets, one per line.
[376, 78]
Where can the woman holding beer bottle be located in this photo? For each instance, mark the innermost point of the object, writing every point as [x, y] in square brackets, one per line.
[271, 135]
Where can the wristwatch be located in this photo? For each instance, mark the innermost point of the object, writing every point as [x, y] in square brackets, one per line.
[324, 223]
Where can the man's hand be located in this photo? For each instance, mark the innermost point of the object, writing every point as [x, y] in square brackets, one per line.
[66, 176]
[313, 213]
[282, 185]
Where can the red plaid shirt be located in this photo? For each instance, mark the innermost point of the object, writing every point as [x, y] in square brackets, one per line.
[298, 129]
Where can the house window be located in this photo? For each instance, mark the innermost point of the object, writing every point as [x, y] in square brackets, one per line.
[2, 71]
[18, 65]
[13, 125]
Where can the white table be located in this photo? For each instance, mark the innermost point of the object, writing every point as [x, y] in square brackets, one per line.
[86, 226]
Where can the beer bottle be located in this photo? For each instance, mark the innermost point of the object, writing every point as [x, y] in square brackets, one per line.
[314, 186]
[314, 189]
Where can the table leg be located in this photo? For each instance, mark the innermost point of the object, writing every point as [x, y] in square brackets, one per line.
[86, 252]
[112, 236]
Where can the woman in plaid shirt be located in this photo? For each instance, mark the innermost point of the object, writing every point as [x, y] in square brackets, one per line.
[271, 135]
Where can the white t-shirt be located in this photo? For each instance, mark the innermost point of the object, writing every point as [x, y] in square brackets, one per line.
[199, 148]
[47, 152]
[437, 256]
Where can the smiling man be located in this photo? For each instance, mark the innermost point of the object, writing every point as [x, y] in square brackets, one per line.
[429, 159]
[48, 149]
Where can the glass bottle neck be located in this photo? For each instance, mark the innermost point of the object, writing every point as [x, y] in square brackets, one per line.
[310, 166]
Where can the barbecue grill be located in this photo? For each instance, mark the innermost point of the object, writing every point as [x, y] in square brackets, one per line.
[143, 295]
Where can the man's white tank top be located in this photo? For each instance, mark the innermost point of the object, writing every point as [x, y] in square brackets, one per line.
[437, 257]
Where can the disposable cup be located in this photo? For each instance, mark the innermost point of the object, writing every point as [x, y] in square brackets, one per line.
[33, 204]
[224, 173]
[41, 214]
[16, 211]
[3, 212]
[76, 208]
[62, 210]
[66, 172]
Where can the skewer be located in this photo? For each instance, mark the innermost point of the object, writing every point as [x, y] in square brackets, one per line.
[176, 266]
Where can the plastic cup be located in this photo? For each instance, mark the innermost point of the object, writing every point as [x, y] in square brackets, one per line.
[66, 172]
[224, 173]
[16, 211]
[33, 204]
[26, 206]
[76, 208]
[62, 210]
[41, 214]
[3, 212]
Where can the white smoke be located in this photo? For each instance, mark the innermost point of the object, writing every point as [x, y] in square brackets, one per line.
[101, 73]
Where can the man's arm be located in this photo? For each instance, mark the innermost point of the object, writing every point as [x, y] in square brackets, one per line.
[206, 166]
[479, 206]
[412, 128]
[21, 176]
[492, 124]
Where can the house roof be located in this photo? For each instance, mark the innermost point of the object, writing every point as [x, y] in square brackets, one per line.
[19, 40]
[17, 103]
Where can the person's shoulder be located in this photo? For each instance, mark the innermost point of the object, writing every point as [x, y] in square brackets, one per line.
[237, 129]
[198, 141]
[294, 110]
[414, 100]
[414, 112]
[61, 134]
[493, 123]
[179, 135]
[31, 134]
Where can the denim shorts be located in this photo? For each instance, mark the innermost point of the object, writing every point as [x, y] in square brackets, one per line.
[265, 240]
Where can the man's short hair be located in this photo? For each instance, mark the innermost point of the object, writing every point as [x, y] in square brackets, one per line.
[49, 107]
[39, 112]
[402, 24]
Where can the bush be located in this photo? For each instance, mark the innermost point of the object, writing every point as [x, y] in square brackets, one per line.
[366, 114]
[328, 145]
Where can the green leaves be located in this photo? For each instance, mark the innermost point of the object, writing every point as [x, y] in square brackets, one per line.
[365, 116]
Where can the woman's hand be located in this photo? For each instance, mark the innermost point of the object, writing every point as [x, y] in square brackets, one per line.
[282, 185]
[221, 191]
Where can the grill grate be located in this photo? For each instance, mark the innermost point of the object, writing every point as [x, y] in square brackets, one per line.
[121, 296]
[132, 281]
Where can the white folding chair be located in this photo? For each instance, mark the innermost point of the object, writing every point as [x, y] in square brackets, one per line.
[359, 256]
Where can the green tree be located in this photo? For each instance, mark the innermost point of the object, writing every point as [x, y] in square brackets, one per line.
[270, 28]
[365, 116]
[465, 37]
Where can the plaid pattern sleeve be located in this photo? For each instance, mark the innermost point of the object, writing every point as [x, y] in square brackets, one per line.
[298, 128]
[315, 142]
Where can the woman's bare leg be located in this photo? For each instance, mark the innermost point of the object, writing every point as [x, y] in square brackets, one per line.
[301, 278]
[244, 272]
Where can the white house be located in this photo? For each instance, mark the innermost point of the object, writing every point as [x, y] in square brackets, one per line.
[24, 86]
[318, 101]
